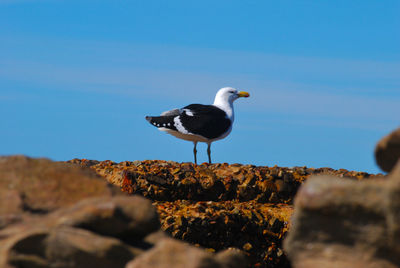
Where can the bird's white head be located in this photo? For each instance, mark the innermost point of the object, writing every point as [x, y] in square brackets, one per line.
[225, 98]
[228, 95]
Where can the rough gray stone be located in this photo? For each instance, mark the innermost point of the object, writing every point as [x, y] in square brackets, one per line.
[128, 218]
[340, 222]
[173, 253]
[72, 247]
[39, 186]
[232, 258]
[387, 151]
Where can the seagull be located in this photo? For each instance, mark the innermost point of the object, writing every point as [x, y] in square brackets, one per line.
[201, 123]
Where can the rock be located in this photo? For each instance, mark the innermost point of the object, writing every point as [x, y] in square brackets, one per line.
[387, 151]
[231, 258]
[96, 232]
[62, 215]
[127, 218]
[39, 186]
[170, 181]
[8, 219]
[155, 237]
[250, 226]
[219, 206]
[173, 253]
[73, 247]
[30, 242]
[339, 222]
[64, 247]
[10, 206]
[11, 201]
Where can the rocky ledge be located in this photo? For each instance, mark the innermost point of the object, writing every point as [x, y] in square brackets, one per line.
[219, 206]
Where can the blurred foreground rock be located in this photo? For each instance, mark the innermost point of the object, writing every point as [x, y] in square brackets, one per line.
[34, 187]
[61, 215]
[344, 223]
[171, 253]
[387, 151]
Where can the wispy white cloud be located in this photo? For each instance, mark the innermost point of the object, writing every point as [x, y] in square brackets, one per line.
[339, 89]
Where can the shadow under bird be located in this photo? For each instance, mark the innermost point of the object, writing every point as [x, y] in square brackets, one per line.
[201, 123]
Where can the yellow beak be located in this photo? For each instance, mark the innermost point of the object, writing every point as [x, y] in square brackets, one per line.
[243, 94]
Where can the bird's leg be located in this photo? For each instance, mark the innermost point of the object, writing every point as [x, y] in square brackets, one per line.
[209, 152]
[195, 152]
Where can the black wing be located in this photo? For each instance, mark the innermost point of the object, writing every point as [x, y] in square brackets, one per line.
[206, 120]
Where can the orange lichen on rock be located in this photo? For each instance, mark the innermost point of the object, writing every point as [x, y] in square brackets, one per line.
[219, 206]
[168, 181]
[250, 226]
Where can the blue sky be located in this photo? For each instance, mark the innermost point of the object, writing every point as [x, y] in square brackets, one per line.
[78, 77]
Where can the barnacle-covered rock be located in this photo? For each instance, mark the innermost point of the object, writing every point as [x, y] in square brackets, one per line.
[169, 181]
[250, 226]
[220, 206]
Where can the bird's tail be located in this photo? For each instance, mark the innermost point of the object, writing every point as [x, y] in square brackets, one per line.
[152, 120]
[162, 121]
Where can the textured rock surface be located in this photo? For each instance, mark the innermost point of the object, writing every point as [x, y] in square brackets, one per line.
[345, 223]
[61, 215]
[79, 220]
[171, 253]
[38, 186]
[169, 181]
[252, 227]
[387, 151]
[96, 232]
[65, 215]
[73, 247]
[129, 219]
[219, 206]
